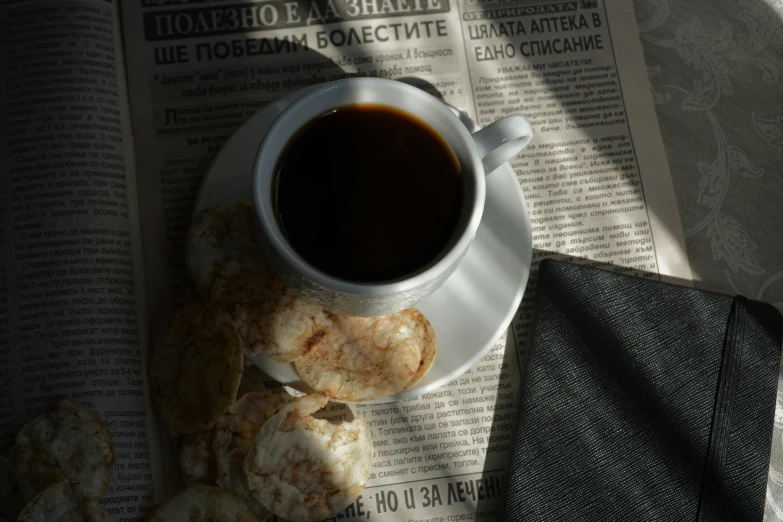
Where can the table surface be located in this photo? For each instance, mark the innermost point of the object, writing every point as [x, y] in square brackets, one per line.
[714, 68]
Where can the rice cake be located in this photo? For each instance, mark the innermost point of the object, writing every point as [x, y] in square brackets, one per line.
[67, 442]
[429, 348]
[220, 234]
[197, 463]
[196, 368]
[271, 317]
[307, 469]
[366, 358]
[235, 431]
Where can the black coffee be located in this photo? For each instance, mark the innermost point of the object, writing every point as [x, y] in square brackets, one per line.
[368, 193]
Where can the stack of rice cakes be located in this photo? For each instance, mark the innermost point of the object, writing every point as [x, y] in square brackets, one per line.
[246, 450]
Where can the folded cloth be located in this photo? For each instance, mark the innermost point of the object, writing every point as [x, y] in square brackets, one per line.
[643, 401]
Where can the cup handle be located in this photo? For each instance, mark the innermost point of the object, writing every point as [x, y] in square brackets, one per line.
[500, 141]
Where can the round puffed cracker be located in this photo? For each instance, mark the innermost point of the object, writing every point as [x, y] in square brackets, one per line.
[197, 464]
[235, 431]
[67, 442]
[429, 346]
[270, 316]
[196, 459]
[218, 235]
[204, 503]
[63, 502]
[195, 368]
[365, 358]
[307, 469]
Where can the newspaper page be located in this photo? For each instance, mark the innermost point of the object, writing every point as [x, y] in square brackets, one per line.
[595, 176]
[71, 308]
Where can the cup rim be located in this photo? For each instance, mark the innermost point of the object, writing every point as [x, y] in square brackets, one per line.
[276, 240]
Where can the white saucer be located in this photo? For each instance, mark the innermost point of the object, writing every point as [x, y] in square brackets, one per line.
[469, 312]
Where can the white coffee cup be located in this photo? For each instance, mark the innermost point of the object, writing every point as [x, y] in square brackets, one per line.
[478, 154]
